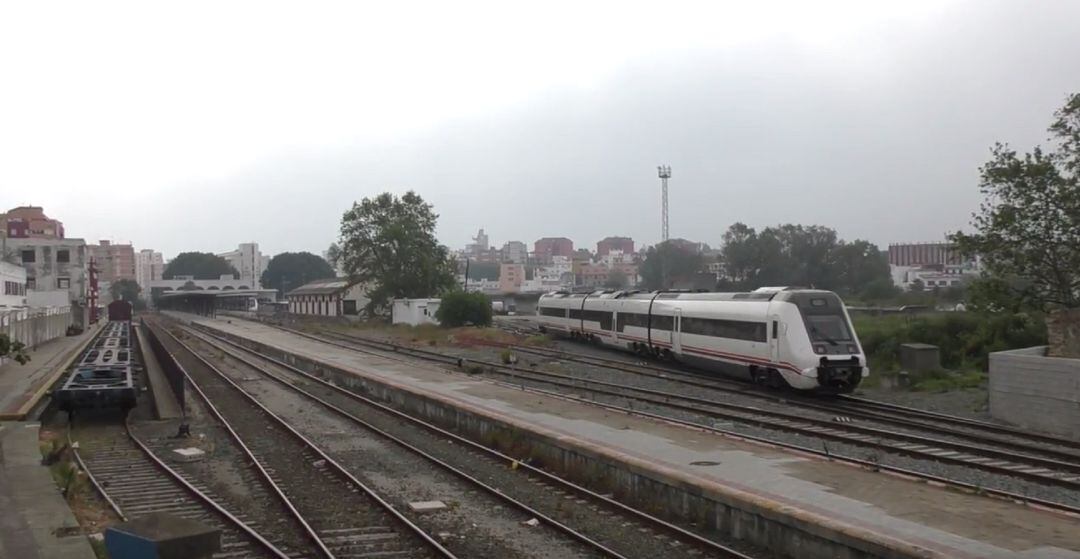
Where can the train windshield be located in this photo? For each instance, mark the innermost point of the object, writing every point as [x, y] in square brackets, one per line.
[829, 328]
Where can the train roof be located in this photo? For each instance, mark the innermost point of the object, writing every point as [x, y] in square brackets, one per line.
[759, 294]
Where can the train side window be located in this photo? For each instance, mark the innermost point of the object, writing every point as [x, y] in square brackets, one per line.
[775, 329]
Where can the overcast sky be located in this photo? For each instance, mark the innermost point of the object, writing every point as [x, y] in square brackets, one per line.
[197, 126]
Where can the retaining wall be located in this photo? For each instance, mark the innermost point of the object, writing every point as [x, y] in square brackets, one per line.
[787, 532]
[1034, 391]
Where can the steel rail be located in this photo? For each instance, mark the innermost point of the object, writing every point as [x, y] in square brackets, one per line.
[382, 503]
[93, 479]
[442, 464]
[841, 405]
[749, 389]
[179, 479]
[701, 406]
[458, 439]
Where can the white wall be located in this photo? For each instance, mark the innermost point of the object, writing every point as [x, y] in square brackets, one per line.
[12, 278]
[46, 269]
[415, 311]
[1036, 392]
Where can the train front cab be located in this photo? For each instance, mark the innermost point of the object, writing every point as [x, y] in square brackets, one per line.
[823, 335]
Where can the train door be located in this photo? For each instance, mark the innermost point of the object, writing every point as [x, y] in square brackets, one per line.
[774, 338]
[676, 332]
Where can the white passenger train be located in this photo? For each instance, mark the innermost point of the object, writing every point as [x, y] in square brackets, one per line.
[774, 335]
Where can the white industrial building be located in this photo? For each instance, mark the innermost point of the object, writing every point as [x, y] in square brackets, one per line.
[933, 276]
[149, 267]
[248, 261]
[56, 272]
[414, 311]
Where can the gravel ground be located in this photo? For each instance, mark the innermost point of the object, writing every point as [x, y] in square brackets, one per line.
[755, 398]
[225, 470]
[971, 402]
[471, 526]
[345, 518]
[475, 516]
[587, 372]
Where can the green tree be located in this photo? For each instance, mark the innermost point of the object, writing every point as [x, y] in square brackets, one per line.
[1028, 226]
[880, 289]
[290, 270]
[799, 255]
[125, 290]
[389, 243]
[740, 256]
[13, 350]
[459, 308]
[202, 265]
[992, 294]
[333, 254]
[858, 267]
[616, 279]
[483, 270]
[669, 263]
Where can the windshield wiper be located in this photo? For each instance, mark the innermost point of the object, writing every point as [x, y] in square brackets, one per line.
[823, 336]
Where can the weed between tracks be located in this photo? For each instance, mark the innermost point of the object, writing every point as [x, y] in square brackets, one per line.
[91, 511]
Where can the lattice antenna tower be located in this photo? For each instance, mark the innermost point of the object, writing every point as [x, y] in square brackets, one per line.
[665, 173]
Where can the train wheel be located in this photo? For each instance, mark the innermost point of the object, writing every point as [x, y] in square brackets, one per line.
[759, 376]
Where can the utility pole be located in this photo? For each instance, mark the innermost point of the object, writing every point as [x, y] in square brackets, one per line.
[665, 173]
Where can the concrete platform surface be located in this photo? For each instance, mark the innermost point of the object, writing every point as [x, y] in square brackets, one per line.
[34, 517]
[166, 405]
[22, 386]
[915, 518]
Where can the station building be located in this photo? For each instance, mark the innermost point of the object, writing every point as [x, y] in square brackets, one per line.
[329, 297]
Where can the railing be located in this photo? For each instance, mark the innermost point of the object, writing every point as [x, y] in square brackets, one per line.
[34, 327]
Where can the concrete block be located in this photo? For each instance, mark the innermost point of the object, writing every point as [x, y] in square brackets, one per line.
[427, 506]
[162, 536]
[188, 454]
[916, 358]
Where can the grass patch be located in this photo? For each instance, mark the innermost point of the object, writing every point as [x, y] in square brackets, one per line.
[539, 340]
[945, 381]
[91, 511]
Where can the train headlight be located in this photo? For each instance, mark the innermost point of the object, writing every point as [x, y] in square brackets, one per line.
[819, 349]
[852, 349]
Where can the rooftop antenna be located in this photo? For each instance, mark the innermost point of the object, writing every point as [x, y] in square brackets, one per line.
[665, 173]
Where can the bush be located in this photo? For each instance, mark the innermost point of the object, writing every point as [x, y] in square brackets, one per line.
[13, 349]
[964, 339]
[459, 308]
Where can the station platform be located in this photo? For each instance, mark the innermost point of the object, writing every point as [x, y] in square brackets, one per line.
[23, 386]
[35, 520]
[166, 406]
[804, 500]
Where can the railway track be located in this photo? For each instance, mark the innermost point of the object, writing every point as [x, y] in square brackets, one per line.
[342, 516]
[980, 432]
[852, 406]
[554, 512]
[135, 482]
[1043, 471]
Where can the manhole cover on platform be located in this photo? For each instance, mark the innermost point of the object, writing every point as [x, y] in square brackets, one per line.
[704, 463]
